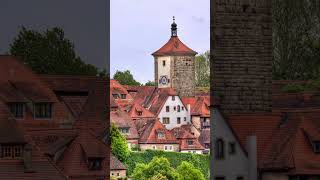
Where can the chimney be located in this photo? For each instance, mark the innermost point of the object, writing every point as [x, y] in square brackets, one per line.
[252, 157]
[27, 158]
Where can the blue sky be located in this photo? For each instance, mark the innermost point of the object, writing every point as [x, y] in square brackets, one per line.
[140, 27]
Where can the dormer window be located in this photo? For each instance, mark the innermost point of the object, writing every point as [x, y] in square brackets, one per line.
[123, 96]
[160, 135]
[17, 109]
[94, 163]
[190, 142]
[125, 130]
[11, 151]
[43, 110]
[316, 146]
[139, 113]
[115, 96]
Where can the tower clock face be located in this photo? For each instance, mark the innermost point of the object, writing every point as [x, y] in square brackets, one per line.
[163, 80]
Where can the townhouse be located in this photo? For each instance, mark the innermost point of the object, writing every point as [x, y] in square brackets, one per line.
[53, 126]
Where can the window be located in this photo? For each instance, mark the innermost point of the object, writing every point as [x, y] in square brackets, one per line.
[185, 118]
[174, 108]
[11, 152]
[240, 178]
[160, 135]
[115, 96]
[165, 120]
[118, 174]
[154, 147]
[178, 120]
[43, 110]
[232, 148]
[219, 149]
[178, 108]
[316, 146]
[139, 113]
[194, 152]
[182, 108]
[173, 98]
[168, 148]
[94, 164]
[167, 108]
[190, 142]
[163, 63]
[17, 109]
[123, 96]
[125, 130]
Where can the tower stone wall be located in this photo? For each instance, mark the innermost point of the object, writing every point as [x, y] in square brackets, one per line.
[241, 41]
[183, 75]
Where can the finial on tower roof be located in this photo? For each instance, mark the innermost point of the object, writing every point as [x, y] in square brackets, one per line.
[174, 31]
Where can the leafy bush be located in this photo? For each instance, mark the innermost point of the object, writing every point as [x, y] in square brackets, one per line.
[293, 88]
[119, 145]
[199, 161]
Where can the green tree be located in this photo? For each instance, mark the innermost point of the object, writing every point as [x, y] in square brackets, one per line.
[159, 167]
[188, 172]
[125, 78]
[49, 52]
[296, 39]
[150, 83]
[119, 146]
[202, 70]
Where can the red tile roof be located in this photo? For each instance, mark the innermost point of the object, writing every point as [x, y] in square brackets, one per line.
[18, 83]
[158, 98]
[174, 47]
[123, 120]
[115, 164]
[282, 141]
[68, 83]
[148, 131]
[91, 122]
[183, 135]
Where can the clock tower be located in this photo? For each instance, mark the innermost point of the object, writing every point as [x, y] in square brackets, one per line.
[174, 65]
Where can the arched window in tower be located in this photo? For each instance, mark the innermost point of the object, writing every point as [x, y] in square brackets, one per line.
[219, 148]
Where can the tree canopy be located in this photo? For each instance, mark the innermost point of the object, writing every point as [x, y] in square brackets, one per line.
[296, 39]
[160, 169]
[125, 78]
[119, 146]
[202, 69]
[188, 172]
[150, 83]
[49, 52]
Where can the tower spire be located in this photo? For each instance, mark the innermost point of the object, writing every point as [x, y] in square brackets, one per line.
[174, 31]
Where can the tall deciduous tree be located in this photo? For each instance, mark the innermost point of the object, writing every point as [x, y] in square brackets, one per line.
[202, 70]
[125, 78]
[296, 39]
[49, 52]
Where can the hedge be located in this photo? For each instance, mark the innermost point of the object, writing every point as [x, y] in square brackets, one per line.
[200, 161]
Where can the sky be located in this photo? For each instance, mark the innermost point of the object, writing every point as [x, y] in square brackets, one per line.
[140, 27]
[85, 22]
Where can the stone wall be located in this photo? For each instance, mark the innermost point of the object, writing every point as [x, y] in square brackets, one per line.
[183, 75]
[241, 40]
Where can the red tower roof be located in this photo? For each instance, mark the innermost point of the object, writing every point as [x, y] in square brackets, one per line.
[174, 47]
